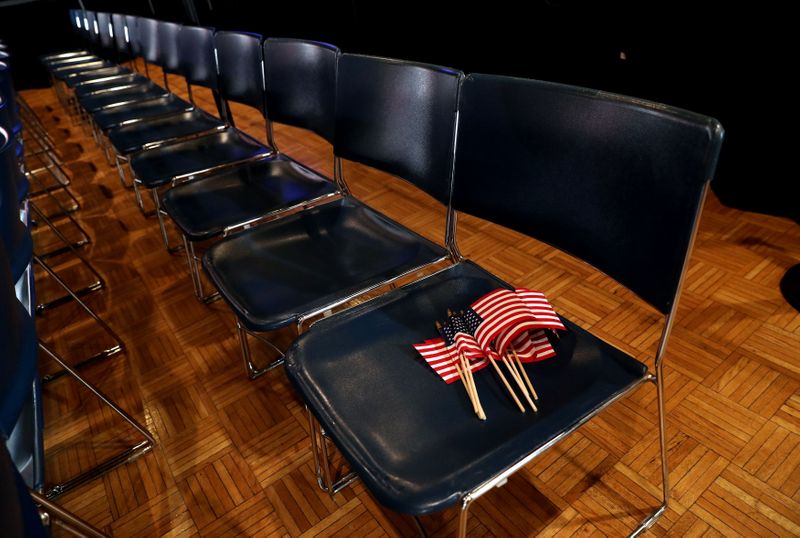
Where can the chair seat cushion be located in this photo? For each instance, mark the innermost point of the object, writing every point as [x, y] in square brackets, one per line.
[415, 440]
[123, 97]
[204, 208]
[124, 83]
[62, 73]
[107, 72]
[274, 273]
[57, 57]
[110, 118]
[159, 166]
[129, 138]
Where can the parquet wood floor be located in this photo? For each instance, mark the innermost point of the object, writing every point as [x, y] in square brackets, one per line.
[233, 455]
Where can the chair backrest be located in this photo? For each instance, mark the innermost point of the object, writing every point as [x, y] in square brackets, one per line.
[301, 84]
[105, 31]
[615, 181]
[76, 20]
[119, 25]
[132, 23]
[147, 36]
[241, 68]
[196, 56]
[94, 27]
[398, 117]
[167, 36]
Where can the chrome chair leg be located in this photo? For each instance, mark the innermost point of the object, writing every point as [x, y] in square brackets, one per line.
[55, 515]
[253, 371]
[162, 225]
[463, 517]
[140, 200]
[194, 271]
[662, 436]
[125, 456]
[119, 160]
[322, 463]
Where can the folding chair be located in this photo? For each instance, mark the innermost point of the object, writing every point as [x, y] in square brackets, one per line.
[167, 120]
[240, 80]
[398, 117]
[301, 86]
[159, 46]
[615, 181]
[157, 43]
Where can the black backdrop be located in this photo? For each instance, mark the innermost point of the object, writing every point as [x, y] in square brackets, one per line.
[731, 62]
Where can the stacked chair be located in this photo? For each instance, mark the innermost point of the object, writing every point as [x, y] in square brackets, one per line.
[22, 424]
[616, 182]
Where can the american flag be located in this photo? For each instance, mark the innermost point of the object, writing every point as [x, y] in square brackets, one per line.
[541, 308]
[503, 317]
[524, 332]
[441, 354]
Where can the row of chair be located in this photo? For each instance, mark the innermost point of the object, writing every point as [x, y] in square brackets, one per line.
[614, 181]
[24, 140]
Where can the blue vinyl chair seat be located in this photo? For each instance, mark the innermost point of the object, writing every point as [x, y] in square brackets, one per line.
[63, 73]
[129, 138]
[272, 274]
[115, 71]
[411, 438]
[202, 209]
[123, 97]
[58, 57]
[152, 108]
[127, 81]
[157, 167]
[71, 62]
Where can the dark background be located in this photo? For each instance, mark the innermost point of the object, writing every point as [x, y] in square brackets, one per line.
[727, 61]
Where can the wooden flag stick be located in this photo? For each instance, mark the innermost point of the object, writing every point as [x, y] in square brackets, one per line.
[475, 405]
[477, 400]
[512, 369]
[524, 373]
[461, 376]
[508, 387]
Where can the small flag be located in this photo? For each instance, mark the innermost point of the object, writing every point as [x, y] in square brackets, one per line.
[502, 316]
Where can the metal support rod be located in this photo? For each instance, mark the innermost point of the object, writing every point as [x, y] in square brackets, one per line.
[77, 299]
[65, 519]
[68, 245]
[319, 448]
[253, 371]
[162, 225]
[124, 457]
[194, 272]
